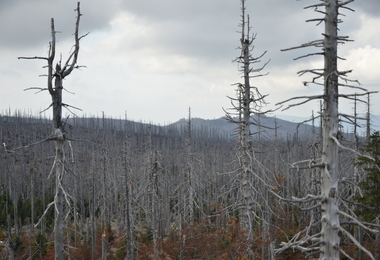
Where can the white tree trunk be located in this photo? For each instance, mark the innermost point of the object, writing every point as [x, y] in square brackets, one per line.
[190, 172]
[129, 200]
[245, 149]
[58, 74]
[58, 201]
[59, 165]
[329, 186]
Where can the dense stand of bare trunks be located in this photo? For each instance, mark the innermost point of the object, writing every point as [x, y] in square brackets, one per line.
[214, 197]
[147, 183]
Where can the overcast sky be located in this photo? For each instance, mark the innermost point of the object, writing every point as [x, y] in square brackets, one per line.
[156, 58]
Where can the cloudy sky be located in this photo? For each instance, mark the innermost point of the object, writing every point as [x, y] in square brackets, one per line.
[156, 58]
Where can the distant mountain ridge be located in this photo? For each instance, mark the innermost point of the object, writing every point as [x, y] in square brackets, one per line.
[375, 123]
[286, 125]
[268, 126]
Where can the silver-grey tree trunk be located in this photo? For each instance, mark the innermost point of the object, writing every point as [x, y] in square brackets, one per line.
[329, 189]
[155, 203]
[59, 165]
[326, 243]
[129, 236]
[190, 172]
[247, 218]
[248, 103]
[58, 134]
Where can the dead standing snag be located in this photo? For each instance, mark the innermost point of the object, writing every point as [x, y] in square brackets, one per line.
[57, 74]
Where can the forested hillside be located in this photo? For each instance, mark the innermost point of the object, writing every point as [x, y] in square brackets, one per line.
[119, 166]
[245, 186]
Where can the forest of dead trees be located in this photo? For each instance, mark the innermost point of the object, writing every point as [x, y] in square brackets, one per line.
[96, 180]
[118, 189]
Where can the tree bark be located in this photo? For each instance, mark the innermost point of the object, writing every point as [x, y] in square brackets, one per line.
[59, 164]
[129, 200]
[329, 186]
[245, 135]
[58, 133]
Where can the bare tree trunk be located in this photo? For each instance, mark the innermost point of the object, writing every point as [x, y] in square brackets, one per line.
[32, 198]
[68, 245]
[377, 238]
[10, 247]
[247, 220]
[104, 212]
[329, 186]
[368, 118]
[58, 135]
[104, 247]
[129, 199]
[93, 217]
[154, 206]
[249, 102]
[326, 243]
[190, 172]
[59, 196]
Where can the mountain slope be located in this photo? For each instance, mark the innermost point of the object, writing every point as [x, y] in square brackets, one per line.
[269, 124]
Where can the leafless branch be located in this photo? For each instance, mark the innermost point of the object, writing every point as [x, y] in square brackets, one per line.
[349, 149]
[313, 71]
[297, 243]
[350, 116]
[308, 55]
[26, 146]
[308, 98]
[316, 43]
[36, 88]
[342, 4]
[319, 20]
[351, 86]
[345, 254]
[72, 60]
[307, 120]
[315, 6]
[344, 38]
[43, 215]
[352, 238]
[357, 94]
[357, 222]
[47, 108]
[32, 58]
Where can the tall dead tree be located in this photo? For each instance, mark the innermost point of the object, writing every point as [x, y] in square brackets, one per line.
[247, 104]
[129, 212]
[189, 172]
[57, 74]
[326, 242]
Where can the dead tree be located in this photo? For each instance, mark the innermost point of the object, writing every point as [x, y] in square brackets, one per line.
[129, 212]
[326, 241]
[189, 175]
[57, 74]
[247, 104]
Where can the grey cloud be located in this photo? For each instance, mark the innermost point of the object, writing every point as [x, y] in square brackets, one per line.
[209, 29]
[370, 7]
[203, 30]
[26, 23]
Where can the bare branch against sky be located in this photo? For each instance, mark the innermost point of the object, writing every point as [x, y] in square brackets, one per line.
[173, 50]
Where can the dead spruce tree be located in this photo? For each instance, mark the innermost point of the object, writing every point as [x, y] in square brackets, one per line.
[189, 172]
[325, 242]
[129, 211]
[58, 73]
[246, 106]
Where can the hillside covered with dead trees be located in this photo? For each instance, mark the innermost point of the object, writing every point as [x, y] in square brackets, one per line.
[247, 186]
[117, 170]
